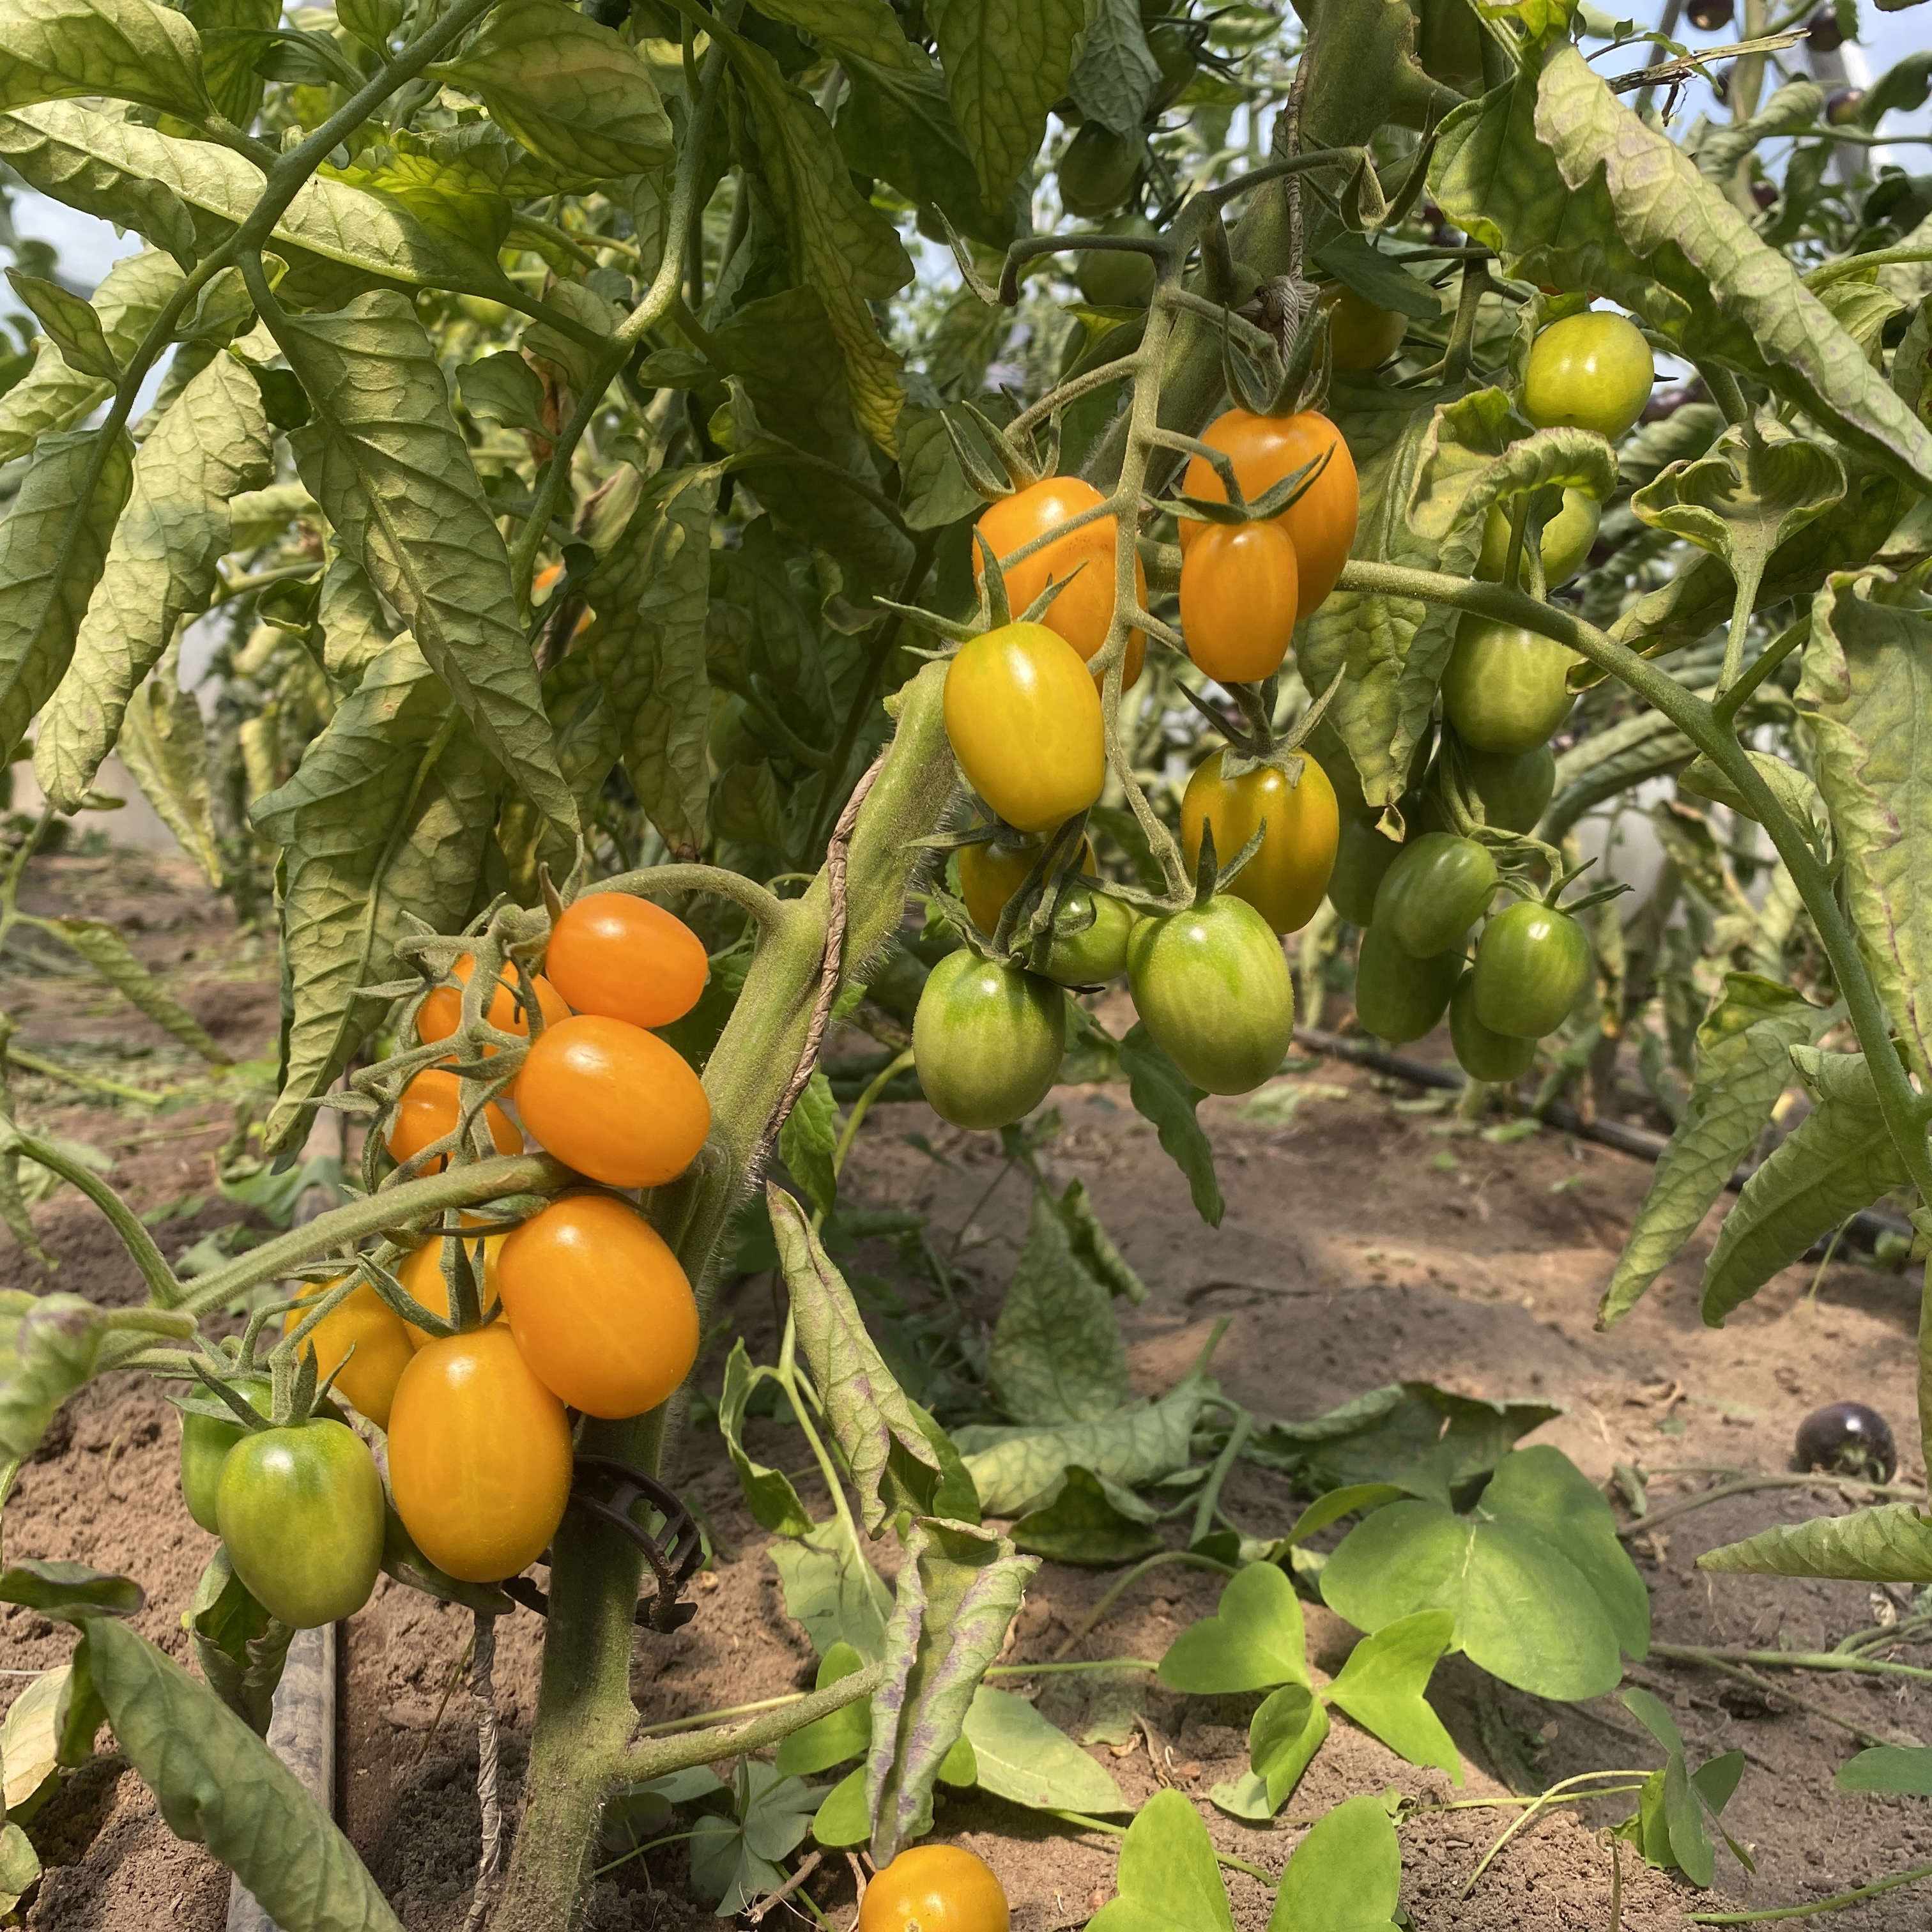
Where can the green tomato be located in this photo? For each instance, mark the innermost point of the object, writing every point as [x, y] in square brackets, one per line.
[987, 1040]
[1592, 369]
[1515, 788]
[1212, 984]
[204, 1445]
[1531, 963]
[1361, 336]
[1088, 944]
[1114, 277]
[1506, 689]
[1363, 857]
[1098, 170]
[1480, 1052]
[1566, 541]
[301, 1510]
[1434, 892]
[1173, 48]
[1398, 998]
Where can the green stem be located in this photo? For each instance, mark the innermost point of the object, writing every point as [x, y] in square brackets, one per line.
[644, 1761]
[1749, 574]
[1837, 1903]
[1187, 1558]
[669, 881]
[1744, 1485]
[1790, 1659]
[165, 1290]
[861, 1107]
[1210, 1490]
[94, 1083]
[1058, 1670]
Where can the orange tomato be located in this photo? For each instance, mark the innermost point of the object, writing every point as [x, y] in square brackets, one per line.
[934, 1889]
[601, 1310]
[1239, 598]
[991, 872]
[366, 1324]
[545, 578]
[623, 958]
[431, 1105]
[441, 1012]
[1084, 611]
[479, 1455]
[613, 1102]
[420, 1272]
[1320, 523]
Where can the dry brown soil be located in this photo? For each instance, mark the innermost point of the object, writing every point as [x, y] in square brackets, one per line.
[1363, 1243]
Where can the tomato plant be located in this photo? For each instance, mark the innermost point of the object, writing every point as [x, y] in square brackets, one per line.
[1438, 888]
[431, 1107]
[1531, 962]
[991, 870]
[1592, 369]
[1506, 690]
[1239, 600]
[362, 1342]
[624, 958]
[441, 1012]
[935, 1889]
[206, 1441]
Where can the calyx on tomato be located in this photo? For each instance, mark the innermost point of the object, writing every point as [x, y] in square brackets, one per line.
[1300, 823]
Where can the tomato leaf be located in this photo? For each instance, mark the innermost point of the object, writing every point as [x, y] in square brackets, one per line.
[50, 1348]
[867, 29]
[1382, 1687]
[1113, 80]
[241, 1649]
[1091, 1520]
[1006, 62]
[70, 1590]
[1891, 1544]
[1345, 1875]
[30, 1745]
[769, 1493]
[1161, 1093]
[164, 745]
[1167, 1880]
[104, 948]
[832, 1589]
[127, 48]
[1057, 1355]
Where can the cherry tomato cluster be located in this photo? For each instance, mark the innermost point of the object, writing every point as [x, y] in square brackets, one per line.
[584, 1306]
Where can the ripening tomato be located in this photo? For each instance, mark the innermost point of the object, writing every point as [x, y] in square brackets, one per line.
[1320, 523]
[1481, 1052]
[613, 1102]
[1565, 542]
[430, 1106]
[1398, 997]
[1212, 986]
[987, 1040]
[365, 1323]
[1088, 946]
[1024, 721]
[1361, 336]
[441, 1012]
[934, 1888]
[601, 1311]
[1434, 892]
[300, 1512]
[1284, 881]
[622, 958]
[420, 1272]
[205, 1444]
[1531, 962]
[479, 1455]
[1363, 857]
[542, 581]
[1506, 689]
[1593, 369]
[992, 870]
[1239, 597]
[1084, 611]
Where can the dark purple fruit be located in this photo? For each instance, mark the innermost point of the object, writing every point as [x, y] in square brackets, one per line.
[1707, 16]
[1843, 107]
[1846, 1438]
[1825, 33]
[1765, 193]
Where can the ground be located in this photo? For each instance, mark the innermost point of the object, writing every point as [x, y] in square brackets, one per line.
[1363, 1242]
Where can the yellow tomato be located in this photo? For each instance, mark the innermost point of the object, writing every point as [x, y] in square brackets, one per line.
[1284, 880]
[365, 1322]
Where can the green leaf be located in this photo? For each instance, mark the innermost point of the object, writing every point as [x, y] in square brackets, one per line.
[768, 1494]
[1839, 1159]
[842, 1819]
[831, 1590]
[809, 1139]
[1378, 278]
[1743, 1063]
[1089, 1522]
[1382, 1687]
[1332, 1507]
[868, 29]
[737, 1860]
[1016, 1470]
[70, 323]
[20, 1865]
[1892, 1543]
[1167, 1880]
[53, 546]
[1254, 1639]
[1006, 62]
[30, 1745]
[219, 1785]
[395, 757]
[1803, 802]
[211, 443]
[1161, 1093]
[1888, 1768]
[841, 246]
[576, 94]
[50, 1348]
[504, 388]
[1868, 684]
[898, 123]
[889, 1443]
[1057, 1355]
[1114, 79]
[1025, 1760]
[241, 1649]
[229, 50]
[1094, 1246]
[1345, 1875]
[835, 1739]
[58, 49]
[959, 1588]
[336, 238]
[70, 1590]
[1283, 1737]
[104, 948]
[1690, 1844]
[384, 458]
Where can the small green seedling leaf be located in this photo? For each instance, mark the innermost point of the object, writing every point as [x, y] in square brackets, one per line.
[1891, 1768]
[1345, 1876]
[1382, 1687]
[1254, 1639]
[1167, 1880]
[840, 1735]
[1290, 1727]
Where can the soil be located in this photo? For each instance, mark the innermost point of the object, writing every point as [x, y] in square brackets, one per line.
[1363, 1242]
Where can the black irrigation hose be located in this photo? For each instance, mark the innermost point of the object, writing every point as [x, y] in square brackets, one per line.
[1863, 1228]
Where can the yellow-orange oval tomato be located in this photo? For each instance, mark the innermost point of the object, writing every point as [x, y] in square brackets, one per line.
[1025, 724]
[613, 1102]
[430, 1106]
[420, 1272]
[1285, 879]
[479, 1455]
[1084, 610]
[623, 958]
[441, 1012]
[1239, 595]
[990, 873]
[601, 1311]
[934, 1889]
[547, 576]
[366, 1324]
[1320, 523]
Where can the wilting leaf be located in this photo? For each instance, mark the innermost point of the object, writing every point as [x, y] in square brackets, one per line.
[1892, 1543]
[49, 1347]
[1057, 1355]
